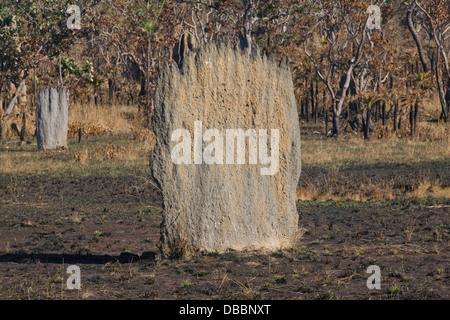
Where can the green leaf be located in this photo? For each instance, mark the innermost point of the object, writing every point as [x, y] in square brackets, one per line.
[150, 27]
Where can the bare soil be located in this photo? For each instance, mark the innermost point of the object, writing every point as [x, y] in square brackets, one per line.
[109, 226]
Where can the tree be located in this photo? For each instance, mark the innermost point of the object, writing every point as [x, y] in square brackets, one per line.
[434, 17]
[123, 31]
[31, 32]
[345, 34]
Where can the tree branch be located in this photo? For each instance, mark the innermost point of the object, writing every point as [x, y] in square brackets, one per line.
[415, 36]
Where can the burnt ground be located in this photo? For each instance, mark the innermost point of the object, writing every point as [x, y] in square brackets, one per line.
[109, 227]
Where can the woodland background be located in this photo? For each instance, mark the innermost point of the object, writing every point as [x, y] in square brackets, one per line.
[347, 75]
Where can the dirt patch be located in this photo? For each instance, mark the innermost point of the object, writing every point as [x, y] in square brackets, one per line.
[109, 227]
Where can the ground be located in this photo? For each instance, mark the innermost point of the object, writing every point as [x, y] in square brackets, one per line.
[107, 223]
[383, 202]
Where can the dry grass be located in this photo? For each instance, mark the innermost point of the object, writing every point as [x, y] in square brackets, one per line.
[441, 192]
[324, 189]
[422, 190]
[30, 124]
[381, 190]
[95, 154]
[92, 119]
[109, 152]
[101, 119]
[432, 143]
[426, 188]
[109, 139]
[114, 137]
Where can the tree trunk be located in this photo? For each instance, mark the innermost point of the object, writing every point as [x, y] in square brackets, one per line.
[447, 94]
[313, 103]
[376, 111]
[416, 115]
[345, 123]
[316, 113]
[245, 36]
[142, 92]
[316, 108]
[22, 130]
[415, 36]
[395, 116]
[11, 105]
[447, 97]
[441, 92]
[336, 123]
[366, 124]
[148, 82]
[307, 107]
[35, 87]
[110, 91]
[1, 133]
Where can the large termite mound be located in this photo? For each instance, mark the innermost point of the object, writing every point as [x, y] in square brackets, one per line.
[221, 103]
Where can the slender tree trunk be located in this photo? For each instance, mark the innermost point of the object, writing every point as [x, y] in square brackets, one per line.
[411, 120]
[336, 125]
[110, 91]
[447, 97]
[376, 112]
[60, 71]
[347, 117]
[316, 113]
[1, 133]
[99, 96]
[22, 130]
[441, 93]
[11, 105]
[383, 113]
[416, 115]
[316, 108]
[313, 103]
[395, 115]
[148, 82]
[142, 91]
[307, 106]
[245, 35]
[93, 61]
[311, 94]
[34, 86]
[324, 103]
[366, 124]
[415, 36]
